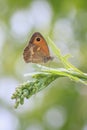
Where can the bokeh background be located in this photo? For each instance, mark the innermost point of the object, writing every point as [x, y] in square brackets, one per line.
[62, 105]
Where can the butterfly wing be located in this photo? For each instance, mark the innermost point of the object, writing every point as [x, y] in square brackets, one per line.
[37, 50]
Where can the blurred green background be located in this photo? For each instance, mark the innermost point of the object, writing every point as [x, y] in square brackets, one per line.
[62, 105]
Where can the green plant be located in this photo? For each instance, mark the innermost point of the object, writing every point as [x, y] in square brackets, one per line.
[42, 79]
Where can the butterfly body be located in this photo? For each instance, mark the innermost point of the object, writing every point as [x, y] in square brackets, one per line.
[37, 50]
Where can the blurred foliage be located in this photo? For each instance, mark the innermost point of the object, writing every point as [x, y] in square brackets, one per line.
[63, 105]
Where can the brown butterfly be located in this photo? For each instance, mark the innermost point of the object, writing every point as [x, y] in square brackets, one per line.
[37, 50]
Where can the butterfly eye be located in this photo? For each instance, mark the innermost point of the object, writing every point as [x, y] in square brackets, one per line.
[37, 39]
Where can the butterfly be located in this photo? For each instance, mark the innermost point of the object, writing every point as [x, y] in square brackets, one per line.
[37, 50]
